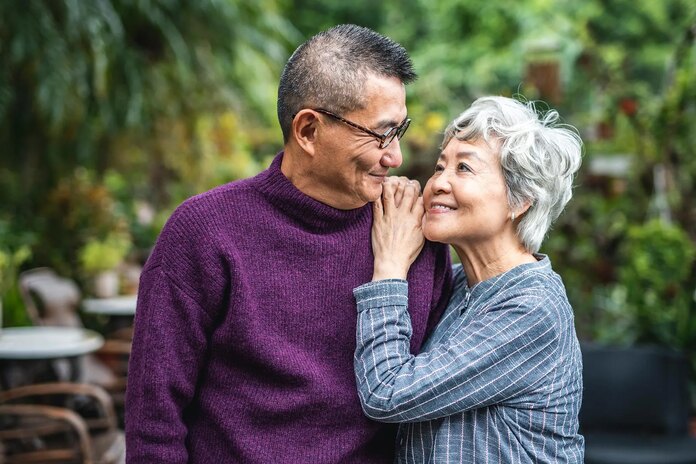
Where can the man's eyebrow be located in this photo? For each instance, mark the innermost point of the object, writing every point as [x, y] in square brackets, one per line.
[388, 124]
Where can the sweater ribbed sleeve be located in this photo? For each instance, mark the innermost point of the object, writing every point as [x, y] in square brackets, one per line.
[179, 285]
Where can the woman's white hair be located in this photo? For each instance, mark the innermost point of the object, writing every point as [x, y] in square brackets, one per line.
[539, 158]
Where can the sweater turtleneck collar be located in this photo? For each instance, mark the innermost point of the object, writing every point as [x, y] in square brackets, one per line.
[302, 208]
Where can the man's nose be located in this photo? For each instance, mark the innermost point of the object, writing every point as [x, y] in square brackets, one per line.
[392, 157]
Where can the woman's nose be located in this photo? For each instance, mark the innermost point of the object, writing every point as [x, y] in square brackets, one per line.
[440, 183]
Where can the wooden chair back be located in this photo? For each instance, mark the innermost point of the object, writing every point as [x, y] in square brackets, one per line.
[49, 298]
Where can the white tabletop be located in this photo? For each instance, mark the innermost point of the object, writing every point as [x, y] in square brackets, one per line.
[47, 342]
[116, 306]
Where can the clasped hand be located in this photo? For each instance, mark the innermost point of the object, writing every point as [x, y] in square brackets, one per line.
[397, 235]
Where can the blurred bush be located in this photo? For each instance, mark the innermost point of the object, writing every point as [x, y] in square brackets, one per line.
[108, 110]
[14, 251]
[650, 296]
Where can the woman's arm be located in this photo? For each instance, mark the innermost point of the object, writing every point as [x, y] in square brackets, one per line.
[506, 352]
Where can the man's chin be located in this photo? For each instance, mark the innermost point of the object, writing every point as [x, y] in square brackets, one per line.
[374, 194]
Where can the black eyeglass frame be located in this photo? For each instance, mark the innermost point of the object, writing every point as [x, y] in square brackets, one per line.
[384, 139]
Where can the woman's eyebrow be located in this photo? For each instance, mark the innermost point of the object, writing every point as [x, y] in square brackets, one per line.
[469, 154]
[464, 154]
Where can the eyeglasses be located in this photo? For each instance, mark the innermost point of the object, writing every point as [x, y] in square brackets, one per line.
[384, 139]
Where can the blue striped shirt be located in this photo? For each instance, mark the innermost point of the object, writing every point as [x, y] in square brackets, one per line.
[498, 381]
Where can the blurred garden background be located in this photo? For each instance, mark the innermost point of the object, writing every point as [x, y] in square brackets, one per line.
[112, 112]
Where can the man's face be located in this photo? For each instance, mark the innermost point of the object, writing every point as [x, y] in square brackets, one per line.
[350, 166]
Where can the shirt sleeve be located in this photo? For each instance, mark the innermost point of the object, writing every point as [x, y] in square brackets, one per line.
[501, 354]
[178, 297]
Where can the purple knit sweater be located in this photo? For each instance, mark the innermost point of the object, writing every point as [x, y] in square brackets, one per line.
[245, 331]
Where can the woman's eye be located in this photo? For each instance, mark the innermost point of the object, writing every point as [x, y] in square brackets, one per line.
[439, 167]
[463, 167]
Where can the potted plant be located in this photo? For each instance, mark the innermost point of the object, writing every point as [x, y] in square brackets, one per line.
[9, 293]
[652, 301]
[100, 260]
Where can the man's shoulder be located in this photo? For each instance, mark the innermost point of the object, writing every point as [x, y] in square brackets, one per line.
[220, 195]
[207, 212]
[433, 266]
[436, 248]
[435, 255]
[218, 200]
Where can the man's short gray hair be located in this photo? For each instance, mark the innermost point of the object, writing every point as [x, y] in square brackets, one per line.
[539, 158]
[329, 71]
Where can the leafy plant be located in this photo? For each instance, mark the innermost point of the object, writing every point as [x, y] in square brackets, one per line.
[15, 250]
[654, 288]
[9, 266]
[79, 209]
[103, 255]
[13, 312]
[99, 85]
[658, 261]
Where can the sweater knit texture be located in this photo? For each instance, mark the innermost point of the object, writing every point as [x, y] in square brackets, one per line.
[245, 330]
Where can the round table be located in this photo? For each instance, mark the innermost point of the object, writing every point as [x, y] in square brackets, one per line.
[47, 342]
[119, 309]
[116, 306]
[27, 354]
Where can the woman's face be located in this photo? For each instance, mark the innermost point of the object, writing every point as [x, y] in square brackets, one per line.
[466, 198]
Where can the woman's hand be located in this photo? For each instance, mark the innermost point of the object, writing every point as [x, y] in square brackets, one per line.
[397, 237]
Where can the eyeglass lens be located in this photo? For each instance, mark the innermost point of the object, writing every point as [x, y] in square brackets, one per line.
[395, 132]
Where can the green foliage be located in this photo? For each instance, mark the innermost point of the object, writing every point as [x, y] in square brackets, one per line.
[465, 49]
[103, 255]
[12, 256]
[657, 255]
[77, 210]
[652, 300]
[583, 246]
[312, 16]
[9, 266]
[657, 263]
[88, 87]
[14, 313]
[120, 63]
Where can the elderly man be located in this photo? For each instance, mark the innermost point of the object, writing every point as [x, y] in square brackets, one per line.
[245, 328]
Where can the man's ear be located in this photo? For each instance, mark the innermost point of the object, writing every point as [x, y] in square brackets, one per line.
[304, 130]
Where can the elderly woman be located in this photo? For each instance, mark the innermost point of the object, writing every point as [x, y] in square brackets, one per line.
[499, 379]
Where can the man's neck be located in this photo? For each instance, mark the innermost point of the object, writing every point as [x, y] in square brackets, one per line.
[302, 173]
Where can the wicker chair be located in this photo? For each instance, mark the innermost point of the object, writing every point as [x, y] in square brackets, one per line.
[47, 423]
[52, 300]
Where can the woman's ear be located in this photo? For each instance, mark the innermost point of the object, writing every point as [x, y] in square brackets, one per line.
[304, 130]
[518, 212]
